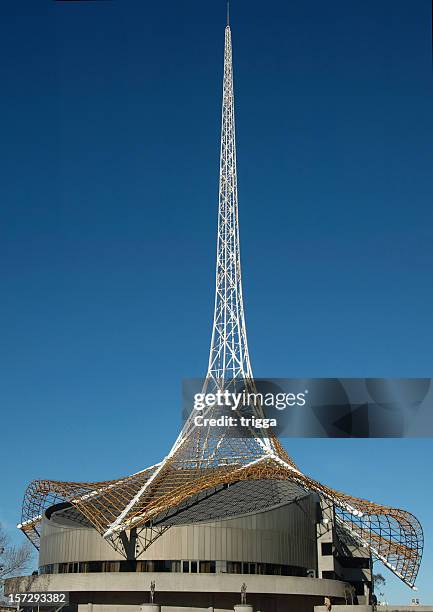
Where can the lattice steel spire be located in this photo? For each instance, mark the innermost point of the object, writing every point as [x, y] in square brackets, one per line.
[229, 362]
[229, 358]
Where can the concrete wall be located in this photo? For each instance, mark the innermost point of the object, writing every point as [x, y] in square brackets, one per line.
[284, 535]
[342, 549]
[124, 592]
[176, 583]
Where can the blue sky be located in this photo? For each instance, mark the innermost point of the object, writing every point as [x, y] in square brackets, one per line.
[110, 142]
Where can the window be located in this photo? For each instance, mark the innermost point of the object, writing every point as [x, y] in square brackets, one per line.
[95, 566]
[110, 566]
[326, 549]
[161, 566]
[145, 566]
[177, 566]
[329, 575]
[126, 566]
[207, 567]
[354, 562]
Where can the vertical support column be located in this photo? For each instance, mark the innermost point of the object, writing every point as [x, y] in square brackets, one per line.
[325, 536]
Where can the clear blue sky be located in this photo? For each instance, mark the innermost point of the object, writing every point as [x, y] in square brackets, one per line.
[110, 141]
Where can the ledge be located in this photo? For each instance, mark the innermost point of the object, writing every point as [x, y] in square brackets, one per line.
[176, 582]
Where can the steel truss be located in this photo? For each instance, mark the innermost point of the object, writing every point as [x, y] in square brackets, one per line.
[127, 512]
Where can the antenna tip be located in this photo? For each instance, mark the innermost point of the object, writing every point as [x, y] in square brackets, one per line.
[228, 12]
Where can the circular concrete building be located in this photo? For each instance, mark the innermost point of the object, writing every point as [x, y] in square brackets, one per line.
[277, 552]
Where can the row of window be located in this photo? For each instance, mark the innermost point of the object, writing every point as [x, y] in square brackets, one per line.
[203, 567]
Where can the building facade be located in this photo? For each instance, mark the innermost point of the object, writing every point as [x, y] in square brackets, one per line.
[290, 554]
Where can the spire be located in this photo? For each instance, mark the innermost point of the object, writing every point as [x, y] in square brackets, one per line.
[229, 362]
[228, 358]
[228, 13]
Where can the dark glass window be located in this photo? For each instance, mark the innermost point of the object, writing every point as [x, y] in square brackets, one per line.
[161, 566]
[207, 567]
[95, 566]
[354, 562]
[326, 549]
[127, 566]
[328, 574]
[111, 566]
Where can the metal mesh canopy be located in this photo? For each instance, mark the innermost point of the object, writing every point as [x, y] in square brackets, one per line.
[233, 500]
[220, 502]
[394, 536]
[209, 474]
